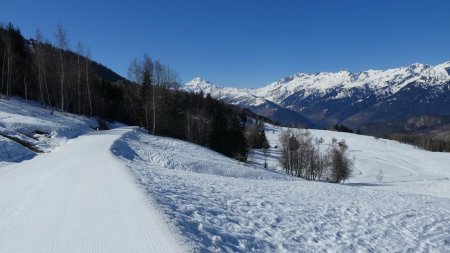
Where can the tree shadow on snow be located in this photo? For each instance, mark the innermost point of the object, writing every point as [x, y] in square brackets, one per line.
[367, 184]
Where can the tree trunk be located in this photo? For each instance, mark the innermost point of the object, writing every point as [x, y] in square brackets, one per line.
[78, 84]
[61, 79]
[40, 78]
[44, 75]
[154, 111]
[3, 70]
[25, 85]
[87, 84]
[8, 77]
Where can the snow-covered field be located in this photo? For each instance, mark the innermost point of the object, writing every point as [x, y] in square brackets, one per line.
[123, 190]
[404, 167]
[223, 206]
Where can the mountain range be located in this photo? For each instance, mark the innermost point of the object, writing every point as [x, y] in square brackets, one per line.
[358, 100]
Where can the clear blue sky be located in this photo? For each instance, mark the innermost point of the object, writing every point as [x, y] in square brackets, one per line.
[246, 43]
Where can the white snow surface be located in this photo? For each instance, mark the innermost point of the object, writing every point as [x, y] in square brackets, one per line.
[79, 198]
[222, 206]
[45, 129]
[124, 190]
[404, 167]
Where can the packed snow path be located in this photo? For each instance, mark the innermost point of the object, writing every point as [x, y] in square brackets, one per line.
[79, 198]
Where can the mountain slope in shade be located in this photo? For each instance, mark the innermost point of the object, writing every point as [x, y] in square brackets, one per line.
[344, 97]
[244, 98]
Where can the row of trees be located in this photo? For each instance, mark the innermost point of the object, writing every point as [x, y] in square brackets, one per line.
[197, 118]
[422, 142]
[36, 69]
[342, 128]
[306, 157]
[68, 80]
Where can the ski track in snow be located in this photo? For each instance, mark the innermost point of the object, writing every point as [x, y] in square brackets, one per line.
[80, 198]
[233, 208]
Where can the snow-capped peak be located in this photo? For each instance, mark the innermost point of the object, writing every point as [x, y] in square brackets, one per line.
[445, 65]
[200, 85]
[379, 81]
[197, 79]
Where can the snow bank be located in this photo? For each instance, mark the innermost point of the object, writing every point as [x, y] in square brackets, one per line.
[170, 153]
[11, 151]
[40, 128]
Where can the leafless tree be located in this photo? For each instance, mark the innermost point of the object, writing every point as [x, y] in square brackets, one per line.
[79, 52]
[62, 44]
[3, 70]
[87, 62]
[303, 156]
[9, 56]
[159, 79]
[340, 163]
[135, 71]
[40, 67]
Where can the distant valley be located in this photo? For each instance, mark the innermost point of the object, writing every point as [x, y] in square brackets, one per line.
[361, 100]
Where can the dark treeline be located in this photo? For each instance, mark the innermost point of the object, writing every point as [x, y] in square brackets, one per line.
[342, 128]
[256, 135]
[423, 142]
[70, 81]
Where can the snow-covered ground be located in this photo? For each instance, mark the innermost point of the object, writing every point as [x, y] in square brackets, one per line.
[80, 198]
[123, 190]
[41, 129]
[404, 167]
[223, 206]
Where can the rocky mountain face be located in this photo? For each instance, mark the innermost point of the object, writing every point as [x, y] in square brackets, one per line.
[353, 99]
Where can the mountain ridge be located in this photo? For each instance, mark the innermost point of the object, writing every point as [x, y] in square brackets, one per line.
[327, 98]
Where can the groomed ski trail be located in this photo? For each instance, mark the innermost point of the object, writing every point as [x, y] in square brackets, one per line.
[80, 198]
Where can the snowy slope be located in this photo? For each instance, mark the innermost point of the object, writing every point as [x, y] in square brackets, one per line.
[80, 198]
[404, 167]
[222, 206]
[42, 129]
[123, 190]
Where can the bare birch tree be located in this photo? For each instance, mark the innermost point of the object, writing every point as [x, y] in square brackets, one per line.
[61, 41]
[39, 63]
[79, 51]
[87, 62]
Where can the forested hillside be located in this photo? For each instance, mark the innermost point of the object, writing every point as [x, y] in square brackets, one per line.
[69, 80]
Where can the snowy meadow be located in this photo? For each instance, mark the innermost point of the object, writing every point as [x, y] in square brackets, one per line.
[220, 205]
